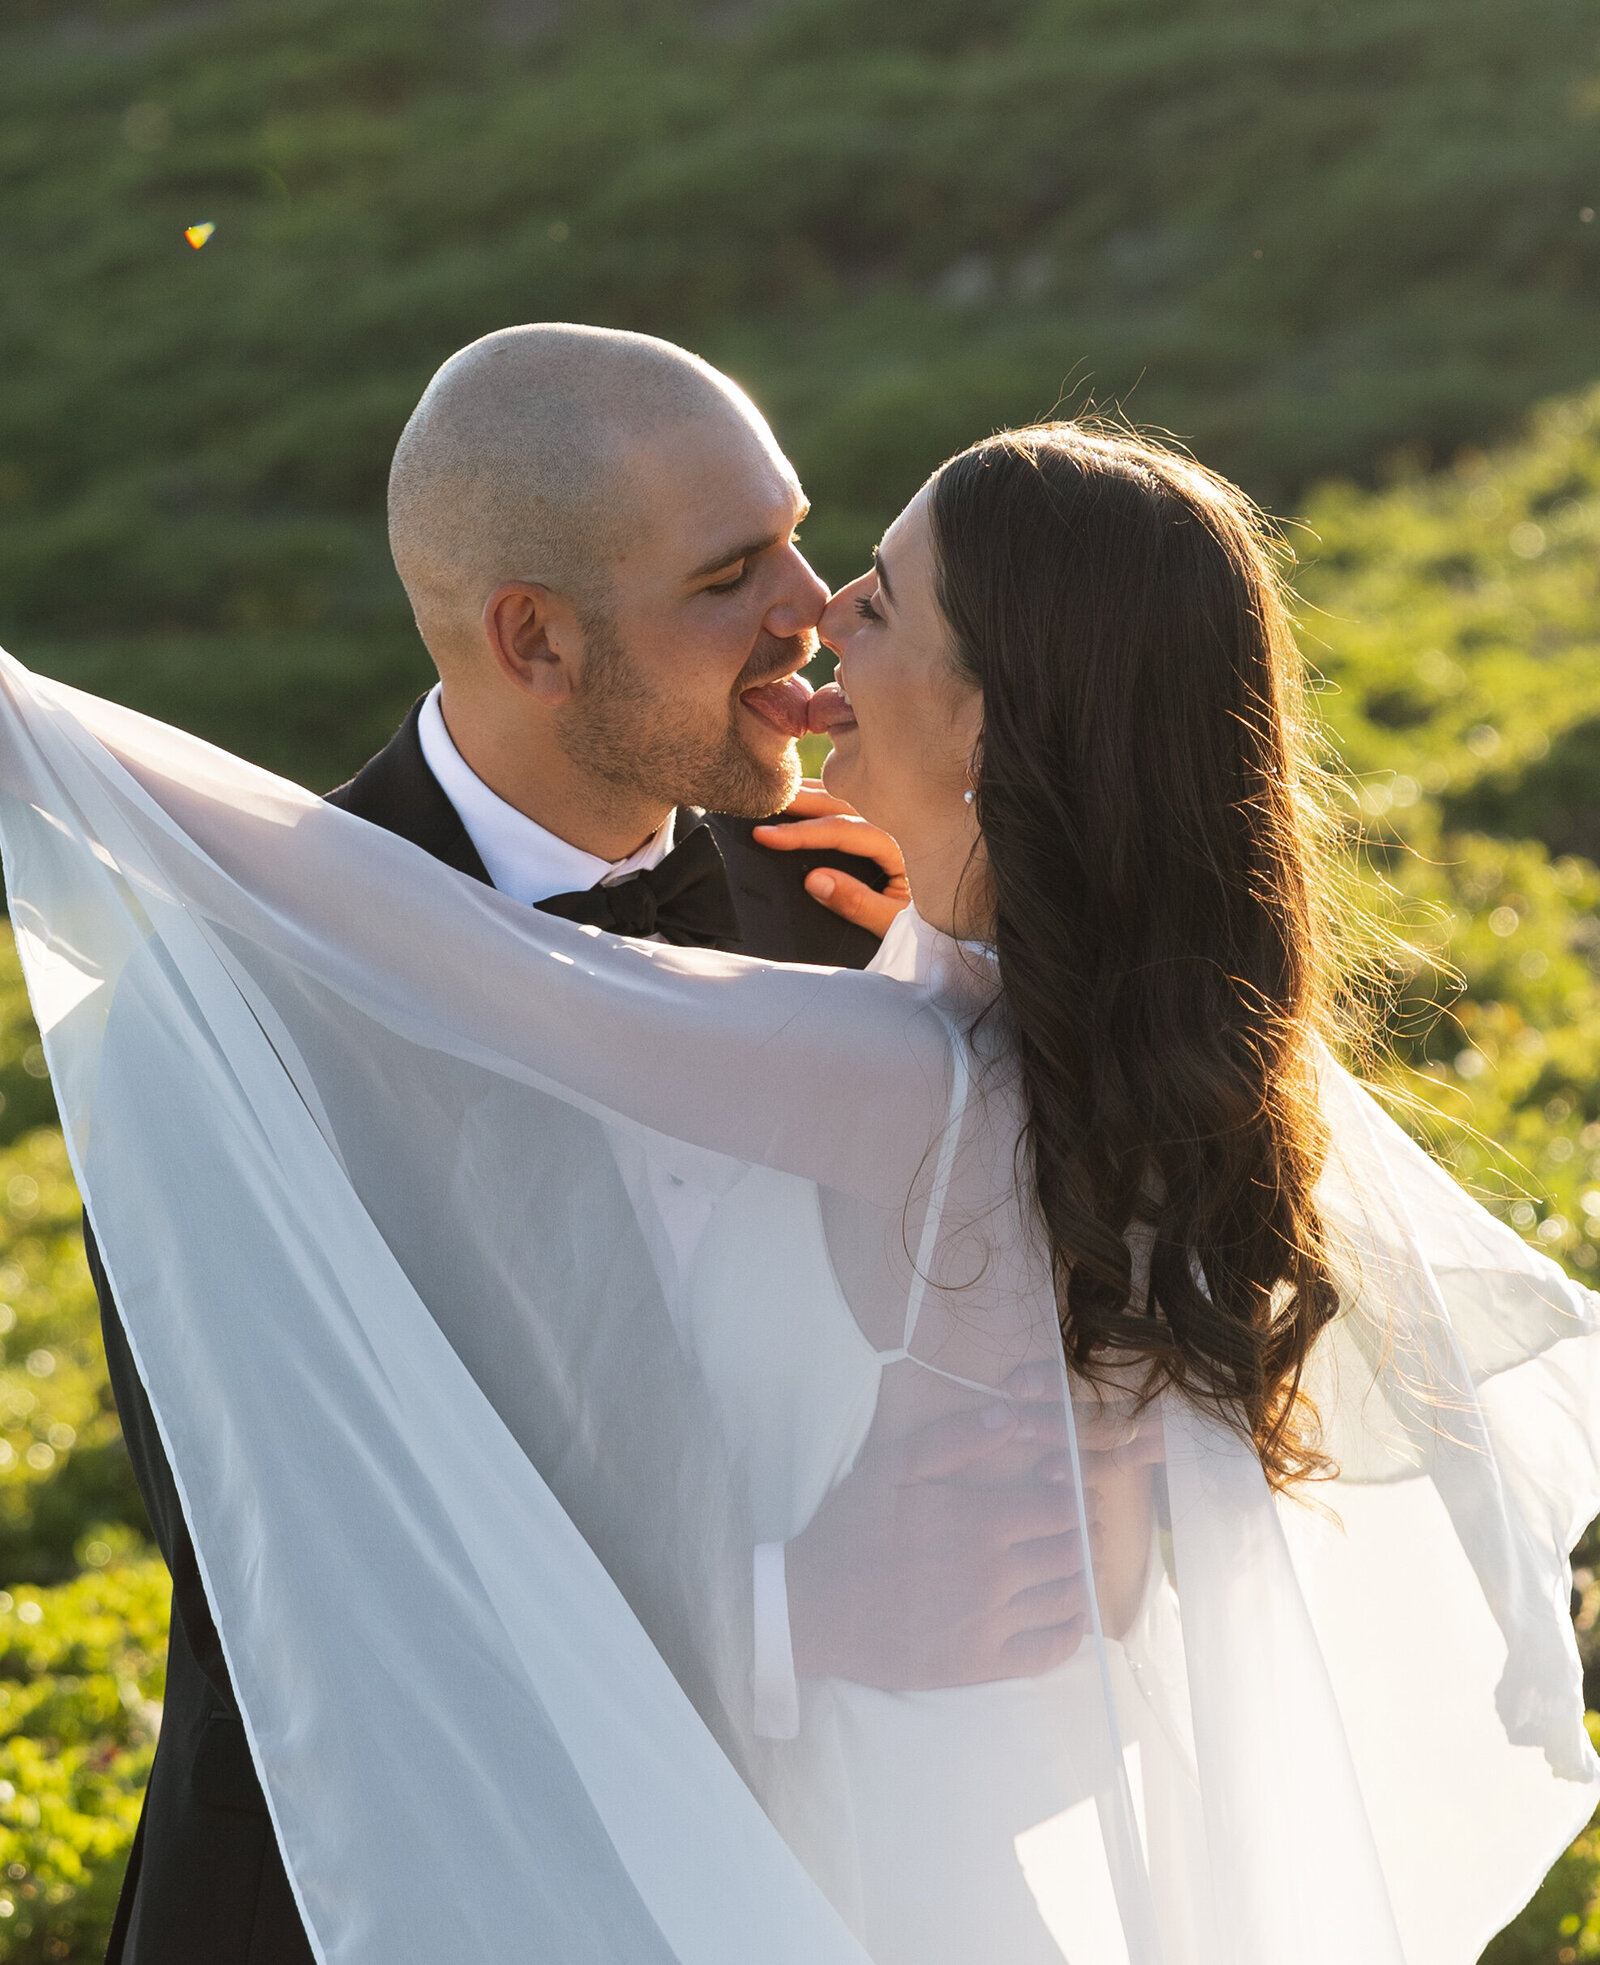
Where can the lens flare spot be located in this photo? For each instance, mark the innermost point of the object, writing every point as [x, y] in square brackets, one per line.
[198, 234]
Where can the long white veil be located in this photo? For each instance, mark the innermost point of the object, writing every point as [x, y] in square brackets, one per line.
[500, 1286]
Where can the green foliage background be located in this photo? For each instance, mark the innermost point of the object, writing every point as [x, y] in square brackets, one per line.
[1311, 235]
[1343, 249]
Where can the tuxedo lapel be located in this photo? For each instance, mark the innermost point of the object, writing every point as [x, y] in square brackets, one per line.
[397, 791]
[780, 920]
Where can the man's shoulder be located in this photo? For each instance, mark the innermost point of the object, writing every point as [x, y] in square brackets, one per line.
[780, 920]
[397, 791]
[392, 781]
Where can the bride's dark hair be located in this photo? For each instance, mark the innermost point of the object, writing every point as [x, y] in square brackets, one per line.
[1153, 844]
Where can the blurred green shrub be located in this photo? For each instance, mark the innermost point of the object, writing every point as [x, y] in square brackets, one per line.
[26, 1099]
[1455, 618]
[82, 1665]
[82, 1668]
[63, 1468]
[64, 1472]
[1455, 622]
[1562, 1924]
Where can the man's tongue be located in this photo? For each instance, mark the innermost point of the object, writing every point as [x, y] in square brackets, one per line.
[781, 703]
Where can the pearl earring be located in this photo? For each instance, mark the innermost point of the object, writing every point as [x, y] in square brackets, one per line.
[967, 797]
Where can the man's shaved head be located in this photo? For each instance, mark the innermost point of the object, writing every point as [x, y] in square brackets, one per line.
[515, 465]
[597, 534]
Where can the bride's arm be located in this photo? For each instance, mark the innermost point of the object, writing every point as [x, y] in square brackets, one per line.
[1123, 1506]
[1119, 1448]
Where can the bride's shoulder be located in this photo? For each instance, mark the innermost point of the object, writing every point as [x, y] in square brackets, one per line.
[905, 949]
[914, 951]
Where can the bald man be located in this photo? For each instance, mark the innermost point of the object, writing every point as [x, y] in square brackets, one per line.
[596, 531]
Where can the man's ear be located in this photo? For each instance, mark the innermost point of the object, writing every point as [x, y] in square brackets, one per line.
[534, 638]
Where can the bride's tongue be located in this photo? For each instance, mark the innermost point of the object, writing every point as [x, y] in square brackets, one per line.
[781, 703]
[829, 711]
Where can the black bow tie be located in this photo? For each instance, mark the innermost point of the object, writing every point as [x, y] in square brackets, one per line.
[684, 900]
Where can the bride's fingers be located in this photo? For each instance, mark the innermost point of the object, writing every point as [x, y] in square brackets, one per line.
[1042, 1378]
[853, 900]
[1055, 1602]
[996, 1441]
[1030, 1654]
[833, 832]
[1043, 1560]
[817, 823]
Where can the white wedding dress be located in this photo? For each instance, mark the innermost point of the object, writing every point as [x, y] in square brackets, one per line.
[922, 1814]
[499, 1286]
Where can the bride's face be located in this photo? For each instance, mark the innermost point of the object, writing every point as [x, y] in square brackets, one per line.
[905, 722]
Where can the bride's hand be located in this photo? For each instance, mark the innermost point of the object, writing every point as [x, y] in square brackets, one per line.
[1119, 1441]
[1115, 1424]
[817, 822]
[946, 1557]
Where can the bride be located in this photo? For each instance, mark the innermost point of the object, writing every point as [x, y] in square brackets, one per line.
[558, 1271]
[1109, 846]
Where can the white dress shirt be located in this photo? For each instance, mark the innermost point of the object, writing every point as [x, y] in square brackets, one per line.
[529, 863]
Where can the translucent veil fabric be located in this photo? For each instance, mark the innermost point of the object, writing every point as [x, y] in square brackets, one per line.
[499, 1287]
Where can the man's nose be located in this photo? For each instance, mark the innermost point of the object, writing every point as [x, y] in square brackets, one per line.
[800, 602]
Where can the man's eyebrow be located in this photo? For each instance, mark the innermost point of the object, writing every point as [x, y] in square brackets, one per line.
[746, 551]
[882, 572]
[749, 549]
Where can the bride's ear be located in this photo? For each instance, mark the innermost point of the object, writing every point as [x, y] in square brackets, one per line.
[534, 638]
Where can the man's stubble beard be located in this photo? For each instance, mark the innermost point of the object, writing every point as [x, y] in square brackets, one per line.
[646, 745]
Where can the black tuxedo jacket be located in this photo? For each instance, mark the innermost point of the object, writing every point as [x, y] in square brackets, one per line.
[205, 1883]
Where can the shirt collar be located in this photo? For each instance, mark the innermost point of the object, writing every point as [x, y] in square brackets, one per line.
[520, 856]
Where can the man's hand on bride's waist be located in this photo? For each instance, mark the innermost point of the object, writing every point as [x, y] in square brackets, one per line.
[950, 1556]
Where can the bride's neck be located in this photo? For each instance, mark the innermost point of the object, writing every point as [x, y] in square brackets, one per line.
[949, 883]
